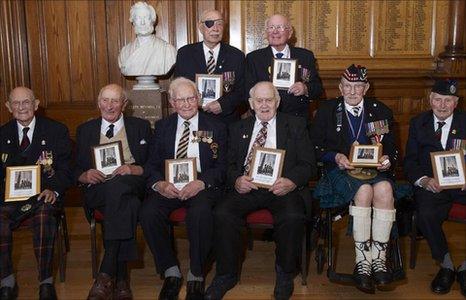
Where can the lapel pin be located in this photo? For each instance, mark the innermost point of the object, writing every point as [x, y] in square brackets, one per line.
[370, 115]
[8, 141]
[245, 136]
[42, 143]
[375, 104]
[453, 131]
[220, 66]
[338, 129]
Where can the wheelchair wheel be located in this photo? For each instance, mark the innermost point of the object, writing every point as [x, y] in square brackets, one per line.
[320, 258]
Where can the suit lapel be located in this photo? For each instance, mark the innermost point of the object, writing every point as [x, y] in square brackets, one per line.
[203, 147]
[281, 124]
[131, 136]
[343, 133]
[454, 129]
[200, 57]
[429, 129]
[220, 60]
[246, 136]
[170, 139]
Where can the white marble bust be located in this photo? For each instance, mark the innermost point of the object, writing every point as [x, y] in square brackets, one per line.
[147, 54]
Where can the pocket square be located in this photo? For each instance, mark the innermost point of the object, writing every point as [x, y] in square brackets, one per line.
[142, 142]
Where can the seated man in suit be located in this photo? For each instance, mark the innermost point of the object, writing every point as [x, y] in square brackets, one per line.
[296, 99]
[212, 56]
[187, 133]
[353, 119]
[29, 140]
[119, 196]
[436, 130]
[271, 130]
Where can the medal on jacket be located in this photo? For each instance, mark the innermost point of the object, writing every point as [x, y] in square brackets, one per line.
[4, 157]
[46, 161]
[376, 130]
[458, 144]
[228, 80]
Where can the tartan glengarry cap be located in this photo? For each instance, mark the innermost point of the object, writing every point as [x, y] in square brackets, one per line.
[355, 74]
[446, 87]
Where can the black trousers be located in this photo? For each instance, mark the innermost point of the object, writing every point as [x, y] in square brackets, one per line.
[119, 199]
[432, 211]
[229, 218]
[154, 218]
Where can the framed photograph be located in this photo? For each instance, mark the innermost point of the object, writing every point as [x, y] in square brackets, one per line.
[22, 182]
[180, 172]
[284, 72]
[365, 155]
[210, 86]
[108, 157]
[449, 168]
[266, 166]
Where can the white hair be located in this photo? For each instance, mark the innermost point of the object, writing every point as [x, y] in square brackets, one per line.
[175, 84]
[267, 84]
[140, 4]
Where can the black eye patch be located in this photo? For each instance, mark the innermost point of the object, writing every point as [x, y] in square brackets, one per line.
[209, 23]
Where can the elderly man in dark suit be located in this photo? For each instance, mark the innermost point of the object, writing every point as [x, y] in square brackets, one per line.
[438, 129]
[296, 99]
[212, 56]
[271, 130]
[29, 140]
[353, 119]
[119, 195]
[187, 133]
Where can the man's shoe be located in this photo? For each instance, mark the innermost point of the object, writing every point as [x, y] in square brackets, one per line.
[8, 293]
[443, 281]
[122, 291]
[102, 289]
[171, 288]
[195, 290]
[461, 277]
[381, 274]
[220, 286]
[47, 292]
[284, 284]
[362, 276]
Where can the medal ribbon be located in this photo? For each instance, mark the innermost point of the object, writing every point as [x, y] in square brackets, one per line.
[351, 125]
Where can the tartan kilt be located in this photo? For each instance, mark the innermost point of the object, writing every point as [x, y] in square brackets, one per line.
[337, 188]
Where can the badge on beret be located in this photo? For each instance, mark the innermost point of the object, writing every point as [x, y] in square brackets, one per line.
[355, 74]
[452, 89]
[446, 87]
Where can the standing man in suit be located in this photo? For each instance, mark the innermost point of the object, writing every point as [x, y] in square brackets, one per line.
[28, 140]
[271, 130]
[296, 99]
[340, 123]
[185, 134]
[436, 130]
[212, 56]
[119, 196]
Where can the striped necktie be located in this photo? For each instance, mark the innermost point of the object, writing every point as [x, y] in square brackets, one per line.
[109, 133]
[356, 111]
[261, 137]
[182, 151]
[438, 132]
[211, 63]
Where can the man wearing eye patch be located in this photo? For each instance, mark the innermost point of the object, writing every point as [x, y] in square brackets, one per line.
[296, 99]
[212, 56]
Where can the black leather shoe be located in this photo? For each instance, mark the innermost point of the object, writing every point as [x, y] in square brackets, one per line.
[362, 276]
[443, 281]
[171, 288]
[8, 293]
[195, 290]
[461, 277]
[381, 274]
[47, 292]
[220, 286]
[284, 284]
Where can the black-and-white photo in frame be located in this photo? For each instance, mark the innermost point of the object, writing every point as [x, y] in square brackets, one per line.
[284, 72]
[108, 157]
[22, 182]
[266, 166]
[449, 168]
[210, 86]
[180, 172]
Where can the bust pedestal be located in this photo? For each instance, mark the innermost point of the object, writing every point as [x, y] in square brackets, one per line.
[151, 105]
[146, 83]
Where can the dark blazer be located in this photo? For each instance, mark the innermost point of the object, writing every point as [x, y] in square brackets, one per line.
[258, 68]
[138, 133]
[163, 147]
[292, 135]
[50, 136]
[422, 141]
[327, 138]
[191, 60]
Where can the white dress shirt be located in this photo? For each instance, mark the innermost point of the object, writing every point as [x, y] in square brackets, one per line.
[349, 108]
[117, 125]
[216, 50]
[271, 141]
[30, 133]
[285, 51]
[193, 147]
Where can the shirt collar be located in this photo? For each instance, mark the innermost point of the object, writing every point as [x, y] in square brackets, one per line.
[350, 107]
[447, 121]
[117, 125]
[271, 122]
[31, 126]
[285, 51]
[193, 120]
[216, 50]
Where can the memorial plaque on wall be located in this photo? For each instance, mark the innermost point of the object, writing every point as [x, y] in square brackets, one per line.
[151, 105]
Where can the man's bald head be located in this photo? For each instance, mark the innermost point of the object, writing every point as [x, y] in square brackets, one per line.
[22, 90]
[112, 102]
[22, 104]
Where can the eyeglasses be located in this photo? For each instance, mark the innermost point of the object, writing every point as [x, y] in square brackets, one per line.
[211, 23]
[17, 104]
[189, 100]
[281, 28]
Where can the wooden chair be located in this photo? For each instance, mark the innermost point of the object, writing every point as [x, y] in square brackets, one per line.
[457, 214]
[95, 216]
